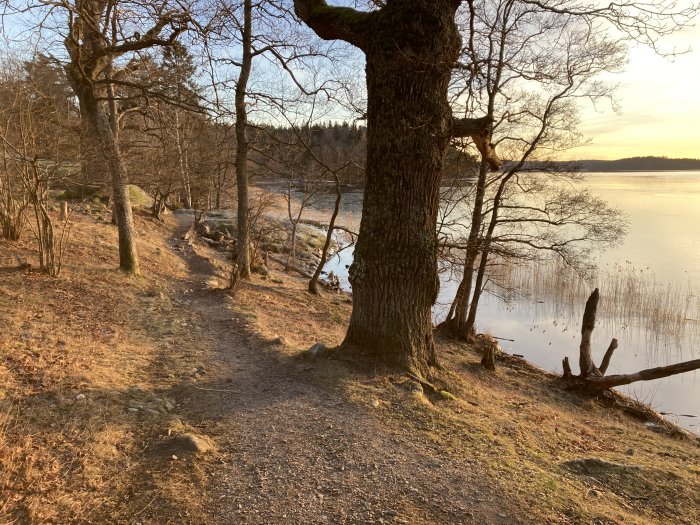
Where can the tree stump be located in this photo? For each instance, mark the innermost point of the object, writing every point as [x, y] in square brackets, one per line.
[488, 361]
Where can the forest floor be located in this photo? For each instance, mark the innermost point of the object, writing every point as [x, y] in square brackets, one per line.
[164, 399]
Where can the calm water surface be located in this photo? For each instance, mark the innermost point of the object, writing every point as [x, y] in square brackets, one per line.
[662, 248]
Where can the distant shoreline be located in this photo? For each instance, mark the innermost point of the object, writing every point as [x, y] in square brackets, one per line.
[690, 170]
[632, 164]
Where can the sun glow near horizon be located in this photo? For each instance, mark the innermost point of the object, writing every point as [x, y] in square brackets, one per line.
[659, 101]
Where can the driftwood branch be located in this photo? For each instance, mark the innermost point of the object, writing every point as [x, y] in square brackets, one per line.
[601, 383]
[594, 378]
[608, 355]
[297, 269]
[585, 360]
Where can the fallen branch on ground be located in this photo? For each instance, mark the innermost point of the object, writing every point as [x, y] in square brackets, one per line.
[300, 271]
[593, 378]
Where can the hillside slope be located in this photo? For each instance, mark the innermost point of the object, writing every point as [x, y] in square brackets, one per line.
[162, 399]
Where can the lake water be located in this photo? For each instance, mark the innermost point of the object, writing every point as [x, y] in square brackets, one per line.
[658, 265]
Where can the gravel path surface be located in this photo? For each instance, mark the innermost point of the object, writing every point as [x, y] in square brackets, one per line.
[296, 452]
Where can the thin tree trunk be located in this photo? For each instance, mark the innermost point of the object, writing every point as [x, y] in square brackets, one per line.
[184, 175]
[242, 254]
[295, 224]
[63, 214]
[313, 283]
[128, 258]
[478, 288]
[457, 322]
[114, 126]
[485, 251]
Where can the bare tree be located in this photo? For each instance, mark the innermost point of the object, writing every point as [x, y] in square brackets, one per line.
[23, 138]
[535, 114]
[242, 256]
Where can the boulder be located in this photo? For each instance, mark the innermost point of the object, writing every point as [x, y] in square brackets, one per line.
[316, 350]
[203, 229]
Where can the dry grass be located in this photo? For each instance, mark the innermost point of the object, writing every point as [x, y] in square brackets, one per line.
[519, 424]
[523, 426]
[75, 354]
[124, 342]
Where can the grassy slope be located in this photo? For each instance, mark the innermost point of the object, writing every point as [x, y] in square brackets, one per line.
[124, 343]
[97, 333]
[520, 424]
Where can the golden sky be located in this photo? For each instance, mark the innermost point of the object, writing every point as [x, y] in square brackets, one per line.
[659, 99]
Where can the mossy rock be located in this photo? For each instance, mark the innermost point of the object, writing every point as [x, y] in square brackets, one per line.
[79, 192]
[139, 197]
[313, 238]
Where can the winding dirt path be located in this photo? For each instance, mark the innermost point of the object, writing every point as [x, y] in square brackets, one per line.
[298, 453]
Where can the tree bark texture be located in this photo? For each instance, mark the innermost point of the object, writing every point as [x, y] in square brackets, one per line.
[488, 360]
[93, 166]
[410, 51]
[99, 123]
[242, 254]
[410, 47]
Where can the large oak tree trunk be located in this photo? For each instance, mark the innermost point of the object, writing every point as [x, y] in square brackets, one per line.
[410, 49]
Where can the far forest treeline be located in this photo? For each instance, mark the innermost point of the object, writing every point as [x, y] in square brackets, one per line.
[281, 151]
[649, 163]
[172, 147]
